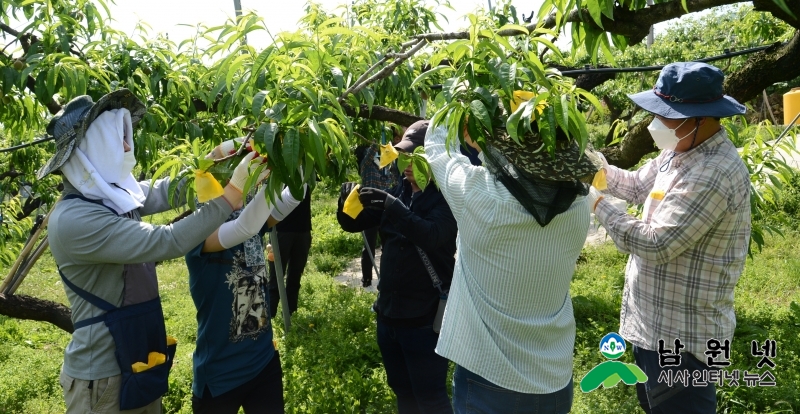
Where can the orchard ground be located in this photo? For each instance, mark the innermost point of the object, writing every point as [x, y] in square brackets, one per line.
[332, 364]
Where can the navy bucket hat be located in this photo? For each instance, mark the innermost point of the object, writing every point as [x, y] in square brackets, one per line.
[69, 125]
[688, 90]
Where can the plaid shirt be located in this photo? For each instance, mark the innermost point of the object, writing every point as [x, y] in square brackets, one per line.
[372, 176]
[688, 250]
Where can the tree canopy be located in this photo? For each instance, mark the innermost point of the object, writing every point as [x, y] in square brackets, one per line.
[333, 83]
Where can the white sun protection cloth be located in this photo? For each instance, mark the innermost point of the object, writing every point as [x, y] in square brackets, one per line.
[97, 168]
[287, 203]
[253, 217]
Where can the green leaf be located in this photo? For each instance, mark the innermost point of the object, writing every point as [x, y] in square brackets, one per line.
[480, 112]
[52, 76]
[369, 96]
[265, 134]
[509, 26]
[9, 79]
[591, 41]
[276, 112]
[476, 132]
[338, 77]
[608, 10]
[591, 98]
[204, 164]
[41, 87]
[234, 67]
[258, 102]
[418, 170]
[425, 75]
[194, 130]
[595, 11]
[561, 107]
[403, 160]
[512, 124]
[291, 149]
[164, 167]
[235, 121]
[508, 76]
[337, 30]
[547, 128]
[486, 96]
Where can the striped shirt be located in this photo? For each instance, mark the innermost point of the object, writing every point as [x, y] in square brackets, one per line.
[509, 314]
[688, 250]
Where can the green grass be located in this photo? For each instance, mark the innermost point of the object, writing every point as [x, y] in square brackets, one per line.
[331, 362]
[766, 303]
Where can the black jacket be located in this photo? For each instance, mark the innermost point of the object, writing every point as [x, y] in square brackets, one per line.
[407, 296]
[299, 220]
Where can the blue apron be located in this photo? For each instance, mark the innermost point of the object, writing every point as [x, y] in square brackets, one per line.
[137, 328]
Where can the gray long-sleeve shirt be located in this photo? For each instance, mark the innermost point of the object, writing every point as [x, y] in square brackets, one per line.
[91, 245]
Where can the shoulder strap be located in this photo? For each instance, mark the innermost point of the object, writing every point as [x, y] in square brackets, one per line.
[81, 197]
[437, 283]
[94, 300]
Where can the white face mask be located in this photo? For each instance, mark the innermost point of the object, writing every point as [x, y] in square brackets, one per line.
[128, 162]
[665, 137]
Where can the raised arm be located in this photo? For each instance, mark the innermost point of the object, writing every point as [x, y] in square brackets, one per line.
[251, 220]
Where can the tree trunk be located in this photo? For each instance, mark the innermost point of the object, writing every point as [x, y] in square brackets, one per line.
[26, 307]
[776, 64]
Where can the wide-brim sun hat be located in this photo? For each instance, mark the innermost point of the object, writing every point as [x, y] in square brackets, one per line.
[68, 127]
[569, 164]
[688, 90]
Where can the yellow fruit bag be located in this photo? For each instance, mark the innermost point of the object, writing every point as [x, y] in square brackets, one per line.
[155, 358]
[388, 154]
[519, 98]
[139, 367]
[206, 186]
[599, 181]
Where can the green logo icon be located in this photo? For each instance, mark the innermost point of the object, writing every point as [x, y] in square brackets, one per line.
[610, 373]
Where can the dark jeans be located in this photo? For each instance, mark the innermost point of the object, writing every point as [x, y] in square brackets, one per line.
[659, 398]
[473, 394]
[294, 247]
[416, 374]
[366, 262]
[262, 394]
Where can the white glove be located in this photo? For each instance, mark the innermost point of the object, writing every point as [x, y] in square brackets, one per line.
[247, 225]
[228, 147]
[243, 171]
[603, 159]
[286, 203]
[594, 197]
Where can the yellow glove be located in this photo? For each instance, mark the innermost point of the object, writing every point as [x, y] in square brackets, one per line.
[352, 205]
[206, 186]
[388, 154]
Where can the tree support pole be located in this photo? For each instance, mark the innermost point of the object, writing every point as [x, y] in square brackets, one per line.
[371, 256]
[276, 253]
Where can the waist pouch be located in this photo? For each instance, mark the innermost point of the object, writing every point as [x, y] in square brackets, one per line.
[138, 330]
